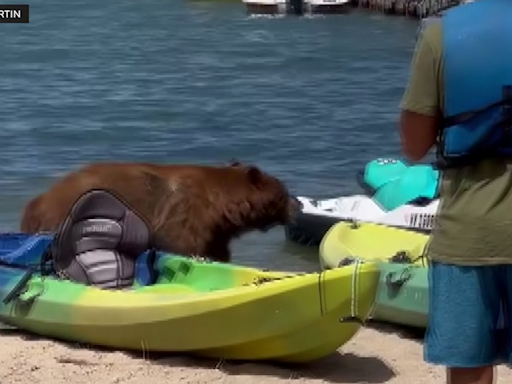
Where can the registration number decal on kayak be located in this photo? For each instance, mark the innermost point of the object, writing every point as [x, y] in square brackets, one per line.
[422, 220]
[383, 160]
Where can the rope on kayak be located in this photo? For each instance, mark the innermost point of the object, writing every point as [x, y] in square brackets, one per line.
[354, 303]
[321, 294]
[354, 299]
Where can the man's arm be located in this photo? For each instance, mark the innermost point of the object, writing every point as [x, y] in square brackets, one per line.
[420, 115]
[418, 133]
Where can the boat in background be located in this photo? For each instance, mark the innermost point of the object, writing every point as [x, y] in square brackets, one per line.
[267, 7]
[297, 7]
[325, 7]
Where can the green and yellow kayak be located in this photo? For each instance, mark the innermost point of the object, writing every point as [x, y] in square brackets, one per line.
[204, 308]
[402, 297]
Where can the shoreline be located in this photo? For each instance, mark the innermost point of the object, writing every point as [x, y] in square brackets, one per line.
[379, 353]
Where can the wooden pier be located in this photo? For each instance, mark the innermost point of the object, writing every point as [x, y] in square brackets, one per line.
[413, 8]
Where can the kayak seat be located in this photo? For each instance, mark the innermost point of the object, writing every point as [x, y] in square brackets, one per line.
[99, 242]
[23, 251]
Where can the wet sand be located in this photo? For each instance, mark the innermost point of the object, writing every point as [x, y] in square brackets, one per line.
[378, 354]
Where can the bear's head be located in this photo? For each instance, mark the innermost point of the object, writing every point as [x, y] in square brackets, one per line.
[259, 200]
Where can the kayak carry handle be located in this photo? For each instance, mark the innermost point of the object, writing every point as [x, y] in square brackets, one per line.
[347, 261]
[397, 283]
[354, 224]
[401, 257]
[18, 288]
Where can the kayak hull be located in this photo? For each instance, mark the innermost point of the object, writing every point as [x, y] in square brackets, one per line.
[204, 308]
[402, 296]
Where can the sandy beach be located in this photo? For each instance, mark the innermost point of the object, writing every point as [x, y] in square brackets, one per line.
[376, 355]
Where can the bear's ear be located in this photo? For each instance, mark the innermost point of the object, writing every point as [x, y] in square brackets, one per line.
[234, 163]
[254, 174]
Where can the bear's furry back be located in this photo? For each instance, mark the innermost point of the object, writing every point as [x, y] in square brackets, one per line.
[190, 209]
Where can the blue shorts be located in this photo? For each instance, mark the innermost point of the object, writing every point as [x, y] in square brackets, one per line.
[469, 315]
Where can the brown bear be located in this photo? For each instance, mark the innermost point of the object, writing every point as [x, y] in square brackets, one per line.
[191, 210]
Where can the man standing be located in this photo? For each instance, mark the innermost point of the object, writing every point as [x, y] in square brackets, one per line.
[459, 99]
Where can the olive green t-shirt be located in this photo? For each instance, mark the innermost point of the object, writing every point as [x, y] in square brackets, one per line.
[473, 225]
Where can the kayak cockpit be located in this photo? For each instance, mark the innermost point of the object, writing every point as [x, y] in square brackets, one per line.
[21, 255]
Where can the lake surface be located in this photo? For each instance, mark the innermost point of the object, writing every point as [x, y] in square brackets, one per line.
[308, 99]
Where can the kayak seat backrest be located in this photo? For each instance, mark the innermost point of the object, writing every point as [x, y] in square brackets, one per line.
[99, 242]
[417, 183]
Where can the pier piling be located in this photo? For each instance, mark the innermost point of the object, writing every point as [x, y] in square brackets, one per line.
[412, 8]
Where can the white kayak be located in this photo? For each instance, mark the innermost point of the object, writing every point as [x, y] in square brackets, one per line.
[317, 216]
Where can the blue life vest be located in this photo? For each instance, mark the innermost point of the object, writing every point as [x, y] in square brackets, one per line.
[477, 70]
